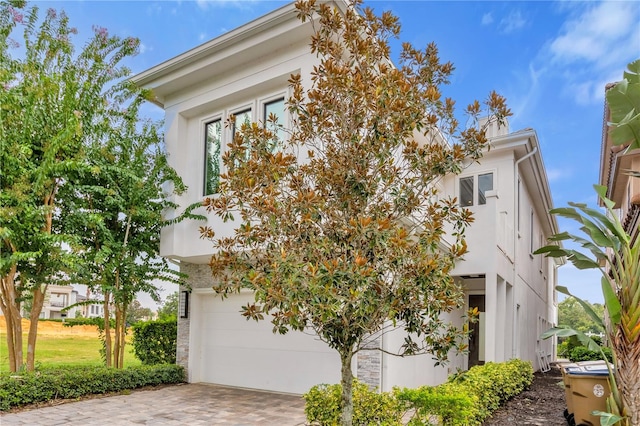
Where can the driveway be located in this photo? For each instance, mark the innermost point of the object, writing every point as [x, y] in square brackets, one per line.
[189, 404]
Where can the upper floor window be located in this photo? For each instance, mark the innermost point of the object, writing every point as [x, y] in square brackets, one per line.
[275, 109]
[212, 144]
[216, 136]
[468, 195]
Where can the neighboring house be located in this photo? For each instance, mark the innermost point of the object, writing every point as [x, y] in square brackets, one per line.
[244, 73]
[92, 310]
[56, 299]
[623, 189]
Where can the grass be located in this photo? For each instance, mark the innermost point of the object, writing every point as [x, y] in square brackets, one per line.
[64, 351]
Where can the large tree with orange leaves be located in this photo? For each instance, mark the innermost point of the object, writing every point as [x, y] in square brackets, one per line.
[340, 228]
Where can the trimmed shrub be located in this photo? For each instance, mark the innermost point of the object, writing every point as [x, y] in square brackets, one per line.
[449, 403]
[467, 398]
[582, 353]
[18, 389]
[322, 406]
[154, 342]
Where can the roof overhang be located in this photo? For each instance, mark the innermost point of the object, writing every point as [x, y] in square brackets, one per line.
[258, 38]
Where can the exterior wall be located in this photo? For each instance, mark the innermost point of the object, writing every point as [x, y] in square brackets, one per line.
[57, 298]
[199, 277]
[519, 287]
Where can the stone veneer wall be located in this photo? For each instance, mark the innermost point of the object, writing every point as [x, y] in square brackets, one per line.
[199, 277]
[370, 363]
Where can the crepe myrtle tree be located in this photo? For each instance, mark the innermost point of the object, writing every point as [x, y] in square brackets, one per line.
[51, 98]
[340, 228]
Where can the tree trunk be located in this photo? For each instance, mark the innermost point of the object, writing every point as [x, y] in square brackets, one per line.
[347, 389]
[13, 318]
[118, 348]
[123, 336]
[36, 308]
[107, 330]
[628, 380]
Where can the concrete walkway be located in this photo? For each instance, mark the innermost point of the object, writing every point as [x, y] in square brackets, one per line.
[189, 404]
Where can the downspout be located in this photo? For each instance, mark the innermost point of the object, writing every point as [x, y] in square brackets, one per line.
[515, 241]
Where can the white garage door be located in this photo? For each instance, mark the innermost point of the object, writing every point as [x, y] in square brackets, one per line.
[236, 352]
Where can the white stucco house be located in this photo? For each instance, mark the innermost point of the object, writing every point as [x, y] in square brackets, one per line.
[244, 72]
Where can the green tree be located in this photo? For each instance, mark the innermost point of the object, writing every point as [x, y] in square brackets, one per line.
[573, 315]
[349, 241]
[52, 99]
[169, 308]
[116, 207]
[136, 312]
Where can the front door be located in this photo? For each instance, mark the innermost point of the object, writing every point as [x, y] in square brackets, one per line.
[476, 338]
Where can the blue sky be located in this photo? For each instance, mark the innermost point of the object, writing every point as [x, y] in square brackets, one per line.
[550, 59]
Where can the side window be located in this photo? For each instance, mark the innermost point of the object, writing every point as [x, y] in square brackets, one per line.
[466, 191]
[212, 144]
[531, 236]
[275, 110]
[468, 195]
[485, 183]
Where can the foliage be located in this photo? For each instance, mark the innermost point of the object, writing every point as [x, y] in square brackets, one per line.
[571, 314]
[450, 403]
[340, 228]
[154, 342]
[51, 384]
[322, 405]
[624, 104]
[169, 308]
[52, 101]
[116, 205]
[466, 399]
[582, 353]
[618, 258]
[136, 312]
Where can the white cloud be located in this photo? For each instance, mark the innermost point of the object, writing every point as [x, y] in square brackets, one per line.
[558, 174]
[513, 22]
[604, 33]
[487, 18]
[594, 46]
[143, 48]
[236, 4]
[202, 36]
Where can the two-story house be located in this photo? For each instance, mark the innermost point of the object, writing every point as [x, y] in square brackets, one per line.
[244, 73]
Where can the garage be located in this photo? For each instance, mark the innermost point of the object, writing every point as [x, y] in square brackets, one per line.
[227, 349]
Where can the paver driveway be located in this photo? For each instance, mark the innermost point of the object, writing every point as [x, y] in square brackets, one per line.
[190, 404]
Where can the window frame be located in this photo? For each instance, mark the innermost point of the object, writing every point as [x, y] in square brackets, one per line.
[203, 137]
[475, 189]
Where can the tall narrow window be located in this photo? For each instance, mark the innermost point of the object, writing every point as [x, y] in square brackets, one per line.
[485, 183]
[240, 118]
[531, 237]
[518, 211]
[212, 143]
[466, 191]
[275, 109]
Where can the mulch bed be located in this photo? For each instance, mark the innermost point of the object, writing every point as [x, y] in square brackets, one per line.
[542, 404]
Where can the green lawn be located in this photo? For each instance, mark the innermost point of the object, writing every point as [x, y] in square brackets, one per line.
[64, 351]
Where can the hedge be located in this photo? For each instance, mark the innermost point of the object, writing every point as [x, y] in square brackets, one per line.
[155, 342]
[17, 389]
[467, 398]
